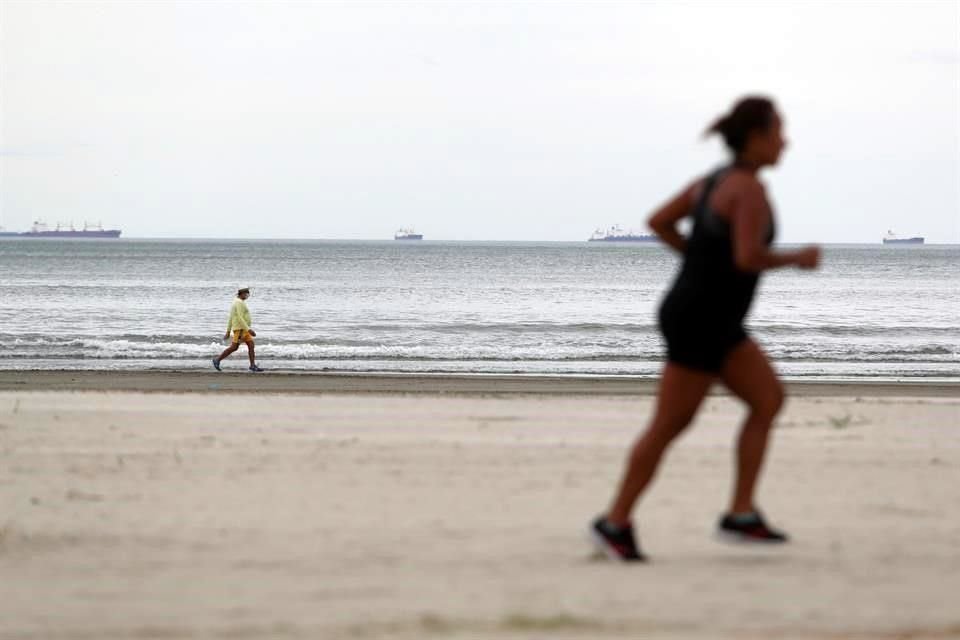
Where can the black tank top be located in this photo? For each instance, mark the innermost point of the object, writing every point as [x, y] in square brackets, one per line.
[709, 282]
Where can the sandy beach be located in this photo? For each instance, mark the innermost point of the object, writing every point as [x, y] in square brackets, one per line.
[271, 382]
[404, 507]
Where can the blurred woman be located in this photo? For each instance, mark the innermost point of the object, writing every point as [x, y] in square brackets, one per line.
[702, 317]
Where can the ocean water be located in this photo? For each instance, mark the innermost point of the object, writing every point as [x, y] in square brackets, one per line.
[871, 312]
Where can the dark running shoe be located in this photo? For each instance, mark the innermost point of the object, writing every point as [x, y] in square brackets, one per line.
[748, 528]
[255, 369]
[616, 543]
[216, 364]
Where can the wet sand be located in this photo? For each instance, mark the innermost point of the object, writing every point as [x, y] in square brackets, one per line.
[441, 510]
[239, 380]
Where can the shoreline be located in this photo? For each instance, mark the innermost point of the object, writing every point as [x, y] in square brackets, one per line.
[288, 382]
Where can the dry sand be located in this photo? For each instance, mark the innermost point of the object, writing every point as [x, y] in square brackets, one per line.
[349, 515]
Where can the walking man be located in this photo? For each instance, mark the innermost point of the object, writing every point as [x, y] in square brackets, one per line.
[239, 325]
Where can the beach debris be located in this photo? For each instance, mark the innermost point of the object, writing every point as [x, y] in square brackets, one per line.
[841, 422]
[83, 496]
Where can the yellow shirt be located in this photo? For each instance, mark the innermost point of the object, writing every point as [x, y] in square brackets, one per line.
[239, 316]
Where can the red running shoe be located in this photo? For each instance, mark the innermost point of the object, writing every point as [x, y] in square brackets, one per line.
[748, 528]
[616, 543]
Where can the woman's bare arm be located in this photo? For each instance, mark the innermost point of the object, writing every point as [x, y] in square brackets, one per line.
[749, 218]
[664, 220]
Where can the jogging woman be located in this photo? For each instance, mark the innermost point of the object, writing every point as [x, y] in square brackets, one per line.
[701, 319]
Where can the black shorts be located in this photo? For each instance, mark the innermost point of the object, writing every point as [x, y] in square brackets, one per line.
[697, 341]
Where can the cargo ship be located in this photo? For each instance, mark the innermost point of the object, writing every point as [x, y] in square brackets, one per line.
[891, 238]
[41, 230]
[616, 234]
[407, 234]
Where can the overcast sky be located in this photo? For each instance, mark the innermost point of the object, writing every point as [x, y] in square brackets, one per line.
[473, 121]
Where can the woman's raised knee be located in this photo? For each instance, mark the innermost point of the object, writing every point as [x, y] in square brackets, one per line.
[769, 404]
[663, 430]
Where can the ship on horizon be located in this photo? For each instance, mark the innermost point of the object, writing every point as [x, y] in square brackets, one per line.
[41, 230]
[892, 238]
[616, 234]
[407, 234]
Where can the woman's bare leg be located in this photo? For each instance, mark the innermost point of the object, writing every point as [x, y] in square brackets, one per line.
[748, 373]
[681, 392]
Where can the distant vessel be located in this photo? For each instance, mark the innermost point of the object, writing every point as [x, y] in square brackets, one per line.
[407, 234]
[616, 234]
[41, 230]
[891, 238]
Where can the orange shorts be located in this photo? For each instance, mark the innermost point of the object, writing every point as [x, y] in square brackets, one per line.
[241, 335]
